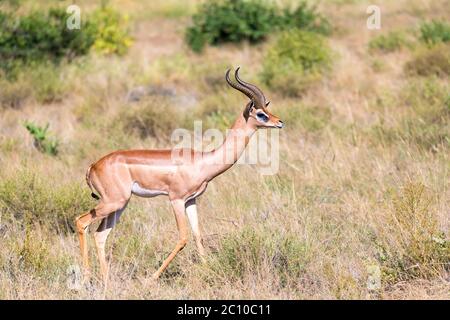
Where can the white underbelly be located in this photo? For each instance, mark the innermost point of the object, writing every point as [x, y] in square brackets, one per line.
[146, 193]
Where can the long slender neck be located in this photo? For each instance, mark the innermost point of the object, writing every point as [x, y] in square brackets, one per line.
[225, 156]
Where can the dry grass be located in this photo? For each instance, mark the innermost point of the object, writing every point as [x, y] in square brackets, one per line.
[363, 182]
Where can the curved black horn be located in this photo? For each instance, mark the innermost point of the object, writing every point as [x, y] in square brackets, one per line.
[249, 85]
[249, 93]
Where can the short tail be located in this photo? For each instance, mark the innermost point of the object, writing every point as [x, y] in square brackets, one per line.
[88, 181]
[93, 195]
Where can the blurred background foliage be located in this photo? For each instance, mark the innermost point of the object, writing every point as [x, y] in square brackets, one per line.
[220, 21]
[40, 36]
[364, 171]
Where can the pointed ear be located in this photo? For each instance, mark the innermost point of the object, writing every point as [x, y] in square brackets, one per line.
[248, 109]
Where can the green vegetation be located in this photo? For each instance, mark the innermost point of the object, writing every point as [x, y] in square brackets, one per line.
[304, 17]
[221, 21]
[392, 41]
[362, 187]
[230, 21]
[41, 37]
[296, 61]
[435, 32]
[110, 30]
[38, 36]
[42, 142]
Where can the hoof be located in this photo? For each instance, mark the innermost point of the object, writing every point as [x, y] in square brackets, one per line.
[155, 276]
[147, 281]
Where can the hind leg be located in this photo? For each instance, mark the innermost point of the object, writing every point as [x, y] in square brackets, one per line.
[82, 223]
[102, 210]
[100, 237]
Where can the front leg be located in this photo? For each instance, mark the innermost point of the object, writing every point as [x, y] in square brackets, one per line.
[191, 211]
[180, 216]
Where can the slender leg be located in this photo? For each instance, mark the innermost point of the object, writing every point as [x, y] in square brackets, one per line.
[100, 237]
[180, 216]
[191, 211]
[83, 222]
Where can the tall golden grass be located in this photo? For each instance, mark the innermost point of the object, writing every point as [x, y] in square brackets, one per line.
[363, 183]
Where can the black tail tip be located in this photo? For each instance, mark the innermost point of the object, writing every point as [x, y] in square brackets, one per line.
[93, 195]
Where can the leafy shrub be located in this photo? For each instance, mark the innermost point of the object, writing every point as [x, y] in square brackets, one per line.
[110, 31]
[295, 61]
[390, 42]
[230, 21]
[435, 32]
[412, 244]
[221, 21]
[39, 36]
[305, 17]
[32, 197]
[433, 61]
[41, 140]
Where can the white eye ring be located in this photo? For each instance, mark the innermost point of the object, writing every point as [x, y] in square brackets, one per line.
[262, 117]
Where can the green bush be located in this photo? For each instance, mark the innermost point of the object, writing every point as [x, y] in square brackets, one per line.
[305, 17]
[221, 21]
[42, 142]
[230, 21]
[435, 32]
[42, 36]
[39, 36]
[432, 61]
[110, 31]
[390, 42]
[295, 61]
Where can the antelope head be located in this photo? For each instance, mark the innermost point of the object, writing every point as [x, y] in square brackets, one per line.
[255, 112]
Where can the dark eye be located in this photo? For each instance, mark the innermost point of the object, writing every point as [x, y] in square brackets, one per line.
[262, 117]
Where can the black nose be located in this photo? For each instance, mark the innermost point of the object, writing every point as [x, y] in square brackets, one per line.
[280, 124]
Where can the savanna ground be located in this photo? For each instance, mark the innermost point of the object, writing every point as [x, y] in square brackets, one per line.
[362, 192]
